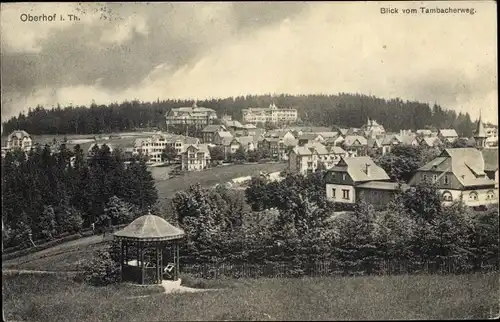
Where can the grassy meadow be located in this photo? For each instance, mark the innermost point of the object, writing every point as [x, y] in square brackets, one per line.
[55, 298]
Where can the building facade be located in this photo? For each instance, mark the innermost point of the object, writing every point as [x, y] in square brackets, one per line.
[19, 139]
[197, 116]
[342, 180]
[196, 157]
[272, 114]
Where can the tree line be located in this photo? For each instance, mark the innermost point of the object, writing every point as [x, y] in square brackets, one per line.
[346, 110]
[47, 194]
[292, 222]
[305, 228]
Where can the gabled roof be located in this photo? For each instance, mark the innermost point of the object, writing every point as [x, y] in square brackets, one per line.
[351, 140]
[224, 134]
[388, 139]
[406, 139]
[328, 134]
[278, 133]
[424, 132]
[448, 133]
[374, 142]
[244, 140]
[213, 128]
[191, 140]
[203, 148]
[20, 134]
[467, 164]
[151, 228]
[356, 168]
[431, 141]
[249, 126]
[308, 136]
[320, 148]
[336, 150]
[234, 124]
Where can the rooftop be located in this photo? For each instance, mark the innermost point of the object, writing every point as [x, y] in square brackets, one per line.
[150, 228]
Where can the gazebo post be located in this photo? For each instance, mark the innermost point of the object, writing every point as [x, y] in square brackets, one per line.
[176, 260]
[158, 272]
[122, 246]
[142, 262]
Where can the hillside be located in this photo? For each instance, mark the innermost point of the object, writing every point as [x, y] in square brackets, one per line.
[346, 110]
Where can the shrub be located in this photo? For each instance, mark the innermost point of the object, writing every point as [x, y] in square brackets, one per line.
[104, 268]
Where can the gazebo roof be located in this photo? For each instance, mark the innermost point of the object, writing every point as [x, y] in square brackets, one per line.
[150, 228]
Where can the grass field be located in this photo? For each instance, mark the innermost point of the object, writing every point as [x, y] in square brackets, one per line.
[168, 188]
[54, 298]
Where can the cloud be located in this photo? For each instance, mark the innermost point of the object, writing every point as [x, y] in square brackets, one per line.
[197, 50]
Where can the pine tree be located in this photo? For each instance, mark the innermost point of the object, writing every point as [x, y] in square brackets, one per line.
[47, 223]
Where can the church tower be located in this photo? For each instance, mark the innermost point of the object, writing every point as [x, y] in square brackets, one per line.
[480, 135]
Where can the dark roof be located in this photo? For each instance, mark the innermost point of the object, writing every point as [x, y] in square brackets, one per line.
[490, 159]
[150, 228]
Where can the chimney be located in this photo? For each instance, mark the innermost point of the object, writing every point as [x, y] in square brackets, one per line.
[367, 169]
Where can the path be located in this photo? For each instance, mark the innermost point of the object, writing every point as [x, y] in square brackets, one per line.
[94, 239]
[27, 271]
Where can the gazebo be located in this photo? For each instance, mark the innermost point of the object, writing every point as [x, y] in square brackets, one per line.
[149, 250]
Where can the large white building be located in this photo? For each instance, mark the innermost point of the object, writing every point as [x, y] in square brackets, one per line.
[153, 146]
[272, 114]
[18, 139]
[198, 116]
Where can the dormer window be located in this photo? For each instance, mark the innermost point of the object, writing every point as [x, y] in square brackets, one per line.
[446, 180]
[344, 176]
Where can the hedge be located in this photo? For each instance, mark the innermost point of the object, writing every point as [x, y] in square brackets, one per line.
[84, 233]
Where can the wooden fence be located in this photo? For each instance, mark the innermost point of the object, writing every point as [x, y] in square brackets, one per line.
[319, 269]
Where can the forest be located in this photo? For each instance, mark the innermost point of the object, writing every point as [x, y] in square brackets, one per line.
[345, 110]
[47, 195]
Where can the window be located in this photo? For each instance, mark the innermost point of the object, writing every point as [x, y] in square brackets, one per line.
[424, 177]
[473, 195]
[333, 193]
[344, 176]
[446, 180]
[447, 196]
[490, 195]
[345, 194]
[434, 177]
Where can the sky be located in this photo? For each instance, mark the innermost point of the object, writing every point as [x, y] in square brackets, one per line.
[125, 51]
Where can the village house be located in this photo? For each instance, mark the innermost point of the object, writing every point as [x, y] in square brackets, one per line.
[196, 157]
[280, 134]
[309, 138]
[447, 135]
[343, 179]
[430, 141]
[277, 147]
[307, 158]
[374, 146]
[424, 133]
[209, 131]
[153, 146]
[245, 142]
[461, 174]
[233, 126]
[392, 140]
[197, 116]
[19, 139]
[222, 138]
[355, 145]
[372, 129]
